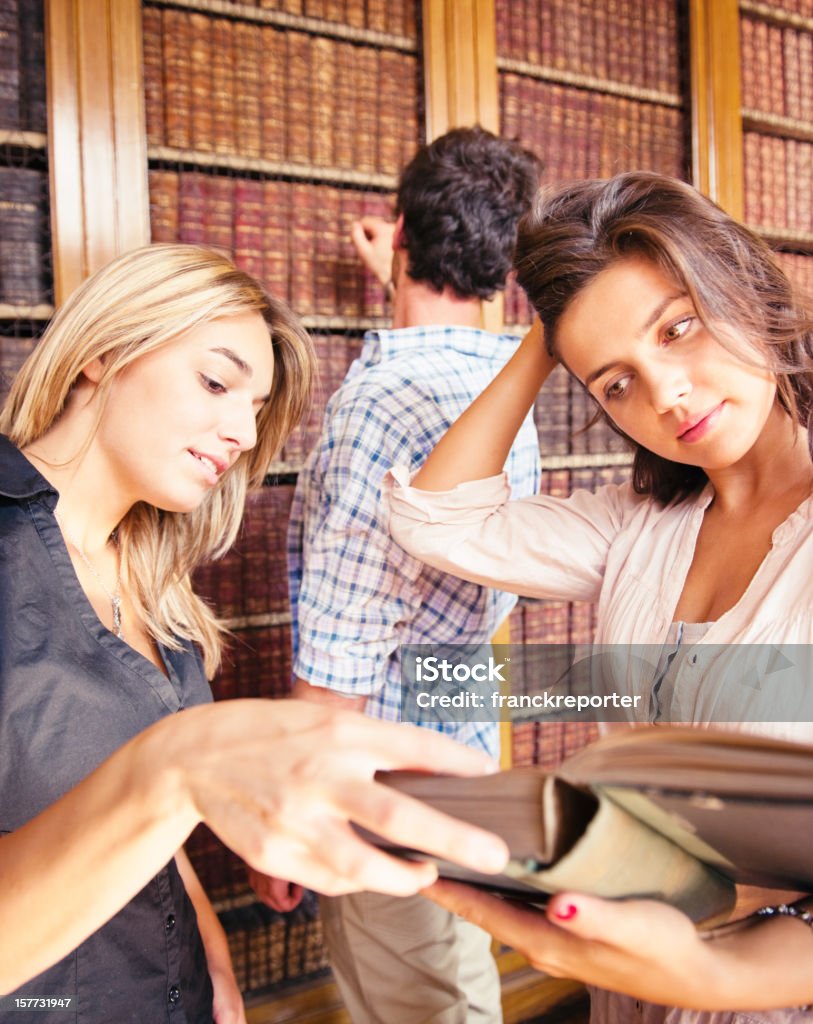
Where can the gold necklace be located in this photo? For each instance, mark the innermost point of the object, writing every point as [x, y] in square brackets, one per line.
[113, 597]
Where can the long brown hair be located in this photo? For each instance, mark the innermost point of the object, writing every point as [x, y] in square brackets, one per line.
[575, 231]
[135, 305]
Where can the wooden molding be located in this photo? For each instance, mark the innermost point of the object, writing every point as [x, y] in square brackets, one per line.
[97, 135]
[717, 163]
[460, 75]
[460, 65]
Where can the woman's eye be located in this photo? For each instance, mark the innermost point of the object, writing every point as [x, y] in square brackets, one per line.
[617, 389]
[213, 385]
[675, 331]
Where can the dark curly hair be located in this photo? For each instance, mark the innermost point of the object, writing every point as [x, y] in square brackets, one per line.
[576, 231]
[461, 198]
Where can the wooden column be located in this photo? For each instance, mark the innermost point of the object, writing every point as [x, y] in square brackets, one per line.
[717, 162]
[460, 73]
[96, 135]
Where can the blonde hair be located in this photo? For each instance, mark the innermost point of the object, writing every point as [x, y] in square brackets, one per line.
[138, 303]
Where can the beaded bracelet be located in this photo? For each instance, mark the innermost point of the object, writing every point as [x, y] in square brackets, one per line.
[784, 910]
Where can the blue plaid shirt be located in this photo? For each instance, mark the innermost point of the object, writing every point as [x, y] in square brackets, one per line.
[355, 595]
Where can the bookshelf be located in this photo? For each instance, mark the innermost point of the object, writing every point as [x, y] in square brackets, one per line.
[26, 299]
[776, 42]
[266, 127]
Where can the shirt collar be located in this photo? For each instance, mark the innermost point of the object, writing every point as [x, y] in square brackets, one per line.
[18, 478]
[381, 344]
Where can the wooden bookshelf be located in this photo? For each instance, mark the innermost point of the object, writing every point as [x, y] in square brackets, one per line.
[43, 311]
[270, 168]
[23, 139]
[589, 82]
[283, 19]
[776, 15]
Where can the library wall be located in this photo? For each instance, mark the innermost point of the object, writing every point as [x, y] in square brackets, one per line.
[25, 268]
[272, 127]
[776, 42]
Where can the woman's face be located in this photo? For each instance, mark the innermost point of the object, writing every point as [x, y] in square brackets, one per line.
[176, 419]
[634, 338]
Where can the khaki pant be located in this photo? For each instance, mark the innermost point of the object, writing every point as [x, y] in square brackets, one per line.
[408, 961]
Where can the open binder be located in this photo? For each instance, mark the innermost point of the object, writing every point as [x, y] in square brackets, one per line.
[676, 814]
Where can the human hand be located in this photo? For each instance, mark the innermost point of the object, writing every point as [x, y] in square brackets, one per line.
[642, 948]
[277, 893]
[227, 1005]
[280, 781]
[373, 239]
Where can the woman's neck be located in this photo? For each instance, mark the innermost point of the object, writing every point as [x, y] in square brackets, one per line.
[778, 467]
[89, 504]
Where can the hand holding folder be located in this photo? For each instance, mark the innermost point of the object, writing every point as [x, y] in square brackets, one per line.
[675, 814]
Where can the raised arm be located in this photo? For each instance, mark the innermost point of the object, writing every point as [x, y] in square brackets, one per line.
[278, 781]
[478, 442]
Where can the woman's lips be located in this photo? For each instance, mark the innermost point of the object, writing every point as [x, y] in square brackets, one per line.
[695, 430]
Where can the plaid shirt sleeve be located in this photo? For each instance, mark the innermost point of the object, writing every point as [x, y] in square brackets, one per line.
[355, 585]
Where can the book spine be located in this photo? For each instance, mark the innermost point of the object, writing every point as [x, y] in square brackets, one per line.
[303, 202]
[177, 80]
[23, 236]
[275, 108]
[366, 110]
[33, 107]
[192, 208]
[389, 126]
[9, 66]
[350, 286]
[248, 61]
[326, 238]
[153, 75]
[299, 97]
[377, 15]
[276, 239]
[200, 72]
[248, 226]
[324, 53]
[222, 87]
[163, 186]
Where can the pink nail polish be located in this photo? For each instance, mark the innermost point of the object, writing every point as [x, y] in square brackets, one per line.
[566, 912]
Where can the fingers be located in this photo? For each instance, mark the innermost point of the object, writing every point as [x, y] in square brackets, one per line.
[519, 927]
[401, 746]
[628, 925]
[408, 822]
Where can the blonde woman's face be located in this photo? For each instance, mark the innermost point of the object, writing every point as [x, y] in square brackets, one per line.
[178, 418]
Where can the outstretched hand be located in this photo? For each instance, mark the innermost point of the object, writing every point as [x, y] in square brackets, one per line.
[647, 949]
[280, 782]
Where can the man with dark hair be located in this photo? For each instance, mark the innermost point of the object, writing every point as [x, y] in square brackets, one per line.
[356, 596]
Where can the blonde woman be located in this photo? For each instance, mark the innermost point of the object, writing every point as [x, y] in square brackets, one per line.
[156, 398]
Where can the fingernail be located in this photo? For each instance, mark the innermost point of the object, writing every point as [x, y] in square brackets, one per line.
[566, 912]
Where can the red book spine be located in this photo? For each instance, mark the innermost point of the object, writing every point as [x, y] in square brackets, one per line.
[248, 226]
[274, 101]
[153, 76]
[248, 61]
[223, 96]
[276, 238]
[200, 57]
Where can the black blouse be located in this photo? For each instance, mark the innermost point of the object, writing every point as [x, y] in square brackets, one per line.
[71, 693]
